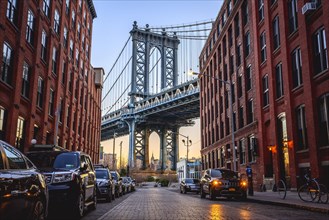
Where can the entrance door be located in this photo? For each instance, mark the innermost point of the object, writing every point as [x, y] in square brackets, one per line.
[283, 151]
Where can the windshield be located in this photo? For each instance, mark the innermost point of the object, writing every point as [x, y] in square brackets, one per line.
[223, 174]
[57, 160]
[114, 176]
[195, 181]
[102, 174]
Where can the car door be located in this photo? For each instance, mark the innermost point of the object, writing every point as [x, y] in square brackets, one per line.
[207, 180]
[91, 178]
[15, 183]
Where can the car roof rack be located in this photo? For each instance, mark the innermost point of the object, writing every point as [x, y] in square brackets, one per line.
[47, 147]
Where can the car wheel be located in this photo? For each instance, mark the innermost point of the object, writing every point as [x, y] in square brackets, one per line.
[180, 189]
[202, 194]
[79, 207]
[244, 196]
[184, 190]
[38, 211]
[109, 196]
[211, 194]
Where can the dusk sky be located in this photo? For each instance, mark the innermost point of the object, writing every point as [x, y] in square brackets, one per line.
[111, 30]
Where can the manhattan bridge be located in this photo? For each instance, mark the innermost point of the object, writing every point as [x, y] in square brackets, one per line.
[149, 89]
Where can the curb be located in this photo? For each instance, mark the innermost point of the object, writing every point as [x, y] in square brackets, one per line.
[303, 207]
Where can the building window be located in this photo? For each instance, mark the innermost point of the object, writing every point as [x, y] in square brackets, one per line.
[6, 68]
[296, 68]
[46, 7]
[248, 78]
[276, 33]
[247, 44]
[266, 97]
[237, 25]
[56, 22]
[12, 11]
[242, 151]
[260, 10]
[68, 110]
[26, 80]
[229, 8]
[65, 37]
[279, 81]
[252, 151]
[67, 7]
[77, 57]
[44, 45]
[323, 107]
[239, 86]
[71, 48]
[63, 72]
[3, 116]
[292, 16]
[40, 93]
[320, 52]
[241, 118]
[54, 61]
[230, 37]
[79, 31]
[263, 47]
[20, 133]
[245, 12]
[73, 20]
[301, 128]
[250, 111]
[51, 102]
[30, 27]
[238, 55]
[80, 5]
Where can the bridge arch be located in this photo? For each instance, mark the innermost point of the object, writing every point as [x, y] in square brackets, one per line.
[155, 71]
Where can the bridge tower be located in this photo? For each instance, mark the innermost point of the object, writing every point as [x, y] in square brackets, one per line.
[143, 41]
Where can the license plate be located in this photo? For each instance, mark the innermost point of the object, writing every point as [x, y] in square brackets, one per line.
[231, 189]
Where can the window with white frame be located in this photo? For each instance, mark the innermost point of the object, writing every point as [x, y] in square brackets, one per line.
[276, 32]
[44, 45]
[71, 48]
[12, 11]
[25, 80]
[20, 133]
[73, 19]
[247, 44]
[51, 102]
[54, 61]
[279, 80]
[292, 15]
[301, 128]
[56, 22]
[320, 52]
[67, 7]
[260, 10]
[323, 106]
[40, 92]
[242, 151]
[6, 67]
[30, 27]
[252, 149]
[65, 37]
[46, 7]
[266, 96]
[263, 47]
[296, 65]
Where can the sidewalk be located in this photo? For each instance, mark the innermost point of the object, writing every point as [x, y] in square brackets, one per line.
[292, 200]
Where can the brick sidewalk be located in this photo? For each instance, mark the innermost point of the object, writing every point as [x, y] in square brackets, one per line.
[292, 200]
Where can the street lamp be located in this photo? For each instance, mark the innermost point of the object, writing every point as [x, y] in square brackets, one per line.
[113, 162]
[187, 143]
[229, 83]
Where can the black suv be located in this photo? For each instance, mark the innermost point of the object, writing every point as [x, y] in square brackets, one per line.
[222, 183]
[70, 177]
[105, 184]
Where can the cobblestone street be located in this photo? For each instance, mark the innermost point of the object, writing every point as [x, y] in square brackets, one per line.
[162, 203]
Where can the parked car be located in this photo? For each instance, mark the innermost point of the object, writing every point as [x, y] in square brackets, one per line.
[105, 184]
[190, 185]
[119, 187]
[222, 183]
[133, 183]
[70, 177]
[127, 183]
[23, 190]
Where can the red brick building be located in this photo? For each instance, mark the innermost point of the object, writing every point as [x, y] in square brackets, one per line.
[282, 67]
[48, 90]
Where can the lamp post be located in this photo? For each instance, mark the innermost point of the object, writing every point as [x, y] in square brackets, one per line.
[188, 143]
[120, 153]
[229, 83]
[113, 162]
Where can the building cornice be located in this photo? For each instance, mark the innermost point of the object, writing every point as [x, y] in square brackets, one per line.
[92, 8]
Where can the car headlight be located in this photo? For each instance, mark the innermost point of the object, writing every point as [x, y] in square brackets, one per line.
[243, 184]
[63, 177]
[216, 183]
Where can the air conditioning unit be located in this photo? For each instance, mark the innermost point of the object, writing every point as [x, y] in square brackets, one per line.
[309, 7]
[99, 72]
